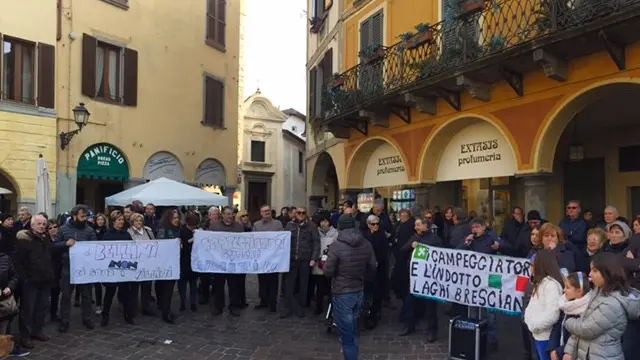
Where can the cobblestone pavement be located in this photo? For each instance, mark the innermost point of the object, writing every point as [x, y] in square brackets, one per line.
[256, 335]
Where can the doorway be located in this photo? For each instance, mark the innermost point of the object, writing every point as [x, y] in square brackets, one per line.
[257, 197]
[585, 181]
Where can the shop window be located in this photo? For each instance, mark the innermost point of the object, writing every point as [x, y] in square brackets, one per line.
[257, 151]
[629, 158]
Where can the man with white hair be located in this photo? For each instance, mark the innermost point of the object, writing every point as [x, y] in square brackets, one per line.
[205, 290]
[32, 260]
[611, 215]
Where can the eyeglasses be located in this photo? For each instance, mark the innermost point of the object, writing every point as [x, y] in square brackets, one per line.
[301, 212]
[244, 216]
[571, 207]
[374, 224]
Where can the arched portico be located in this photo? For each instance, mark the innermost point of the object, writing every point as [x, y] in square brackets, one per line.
[466, 141]
[558, 119]
[392, 163]
[324, 186]
[9, 192]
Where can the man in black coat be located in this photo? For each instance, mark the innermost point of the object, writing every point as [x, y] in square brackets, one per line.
[511, 231]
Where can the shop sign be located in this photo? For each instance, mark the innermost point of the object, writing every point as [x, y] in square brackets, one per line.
[163, 164]
[103, 161]
[478, 151]
[385, 168]
[210, 173]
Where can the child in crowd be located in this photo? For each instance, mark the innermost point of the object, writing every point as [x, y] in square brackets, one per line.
[543, 310]
[573, 303]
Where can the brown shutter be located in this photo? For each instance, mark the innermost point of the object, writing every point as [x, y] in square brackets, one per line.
[328, 66]
[46, 75]
[209, 99]
[89, 44]
[312, 92]
[221, 23]
[130, 95]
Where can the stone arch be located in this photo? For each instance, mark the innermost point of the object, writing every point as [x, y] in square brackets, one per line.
[433, 150]
[160, 164]
[10, 182]
[211, 172]
[320, 170]
[557, 120]
[357, 164]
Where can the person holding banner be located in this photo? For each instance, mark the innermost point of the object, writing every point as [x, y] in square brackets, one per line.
[226, 224]
[424, 235]
[305, 252]
[76, 229]
[127, 291]
[169, 229]
[139, 231]
[267, 283]
[206, 282]
[187, 276]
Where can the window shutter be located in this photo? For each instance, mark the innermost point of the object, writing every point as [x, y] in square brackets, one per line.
[130, 77]
[376, 29]
[89, 44]
[365, 32]
[209, 95]
[312, 92]
[328, 66]
[221, 16]
[46, 75]
[214, 102]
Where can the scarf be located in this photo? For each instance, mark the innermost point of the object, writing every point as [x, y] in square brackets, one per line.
[575, 307]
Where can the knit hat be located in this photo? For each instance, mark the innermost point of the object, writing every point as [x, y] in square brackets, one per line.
[4, 216]
[624, 227]
[533, 215]
[346, 222]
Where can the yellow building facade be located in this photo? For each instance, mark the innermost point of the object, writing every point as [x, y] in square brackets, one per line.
[487, 105]
[27, 99]
[161, 82]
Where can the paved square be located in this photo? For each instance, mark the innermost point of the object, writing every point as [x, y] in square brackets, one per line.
[256, 335]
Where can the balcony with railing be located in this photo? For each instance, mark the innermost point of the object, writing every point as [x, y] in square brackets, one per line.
[480, 43]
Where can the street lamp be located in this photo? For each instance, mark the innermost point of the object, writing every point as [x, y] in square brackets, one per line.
[81, 118]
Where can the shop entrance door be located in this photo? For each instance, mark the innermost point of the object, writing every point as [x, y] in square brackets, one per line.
[500, 206]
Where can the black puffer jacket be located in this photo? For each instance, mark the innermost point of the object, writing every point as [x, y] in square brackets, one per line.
[305, 241]
[32, 258]
[75, 231]
[349, 261]
[7, 240]
[8, 275]
[115, 235]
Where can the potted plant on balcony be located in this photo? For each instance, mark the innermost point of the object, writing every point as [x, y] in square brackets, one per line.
[316, 24]
[423, 35]
[372, 53]
[470, 7]
[496, 43]
[337, 81]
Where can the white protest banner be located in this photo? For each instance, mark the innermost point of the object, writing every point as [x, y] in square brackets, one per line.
[469, 278]
[259, 252]
[124, 261]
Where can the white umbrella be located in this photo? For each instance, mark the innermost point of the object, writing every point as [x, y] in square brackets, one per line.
[4, 191]
[43, 194]
[167, 192]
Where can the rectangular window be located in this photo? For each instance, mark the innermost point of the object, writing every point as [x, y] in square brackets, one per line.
[257, 151]
[19, 73]
[109, 72]
[300, 162]
[18, 69]
[629, 158]
[216, 23]
[213, 102]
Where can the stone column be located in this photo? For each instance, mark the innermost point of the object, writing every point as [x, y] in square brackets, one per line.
[535, 194]
[228, 192]
[315, 203]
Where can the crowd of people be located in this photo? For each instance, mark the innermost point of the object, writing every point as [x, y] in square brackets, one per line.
[582, 301]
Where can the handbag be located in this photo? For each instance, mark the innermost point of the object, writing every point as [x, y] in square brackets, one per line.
[8, 307]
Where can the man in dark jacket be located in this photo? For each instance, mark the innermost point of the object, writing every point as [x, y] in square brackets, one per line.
[461, 228]
[227, 224]
[511, 231]
[150, 219]
[305, 252]
[424, 235]
[534, 221]
[380, 244]
[76, 229]
[35, 271]
[574, 227]
[24, 219]
[350, 259]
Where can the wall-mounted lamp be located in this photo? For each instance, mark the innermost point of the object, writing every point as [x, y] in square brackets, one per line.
[81, 118]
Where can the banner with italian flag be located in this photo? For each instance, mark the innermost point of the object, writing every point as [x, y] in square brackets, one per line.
[469, 278]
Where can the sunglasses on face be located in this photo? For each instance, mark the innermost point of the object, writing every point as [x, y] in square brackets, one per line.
[571, 207]
[301, 212]
[374, 224]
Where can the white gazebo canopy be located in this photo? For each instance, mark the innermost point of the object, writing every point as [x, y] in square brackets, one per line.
[167, 192]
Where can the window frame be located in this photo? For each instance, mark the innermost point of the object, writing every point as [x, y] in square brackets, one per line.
[22, 42]
[213, 16]
[223, 105]
[105, 45]
[264, 151]
[300, 162]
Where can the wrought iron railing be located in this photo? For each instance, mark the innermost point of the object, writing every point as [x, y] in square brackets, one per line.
[456, 42]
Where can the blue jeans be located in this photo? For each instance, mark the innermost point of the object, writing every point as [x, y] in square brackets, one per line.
[346, 311]
[542, 349]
